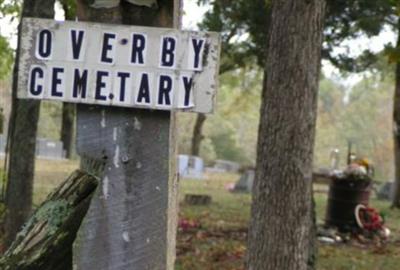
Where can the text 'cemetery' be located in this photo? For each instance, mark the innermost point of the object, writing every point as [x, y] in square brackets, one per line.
[145, 67]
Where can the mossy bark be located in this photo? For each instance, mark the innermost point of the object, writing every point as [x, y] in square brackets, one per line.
[45, 241]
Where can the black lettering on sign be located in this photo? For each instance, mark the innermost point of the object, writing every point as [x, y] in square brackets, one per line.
[57, 82]
[80, 83]
[44, 44]
[123, 76]
[138, 49]
[198, 45]
[108, 45]
[36, 89]
[188, 85]
[76, 43]
[164, 90]
[100, 84]
[143, 96]
[168, 46]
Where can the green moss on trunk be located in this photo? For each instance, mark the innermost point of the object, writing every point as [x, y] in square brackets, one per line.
[45, 242]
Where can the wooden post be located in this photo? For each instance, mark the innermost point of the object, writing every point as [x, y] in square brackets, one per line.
[131, 223]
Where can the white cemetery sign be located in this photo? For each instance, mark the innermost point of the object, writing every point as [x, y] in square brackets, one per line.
[116, 65]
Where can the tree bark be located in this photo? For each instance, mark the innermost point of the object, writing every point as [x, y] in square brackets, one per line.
[22, 141]
[197, 134]
[67, 128]
[2, 120]
[396, 130]
[281, 223]
[45, 242]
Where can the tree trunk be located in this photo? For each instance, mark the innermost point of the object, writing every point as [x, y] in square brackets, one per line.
[281, 223]
[67, 128]
[197, 134]
[2, 120]
[22, 141]
[396, 130]
[45, 243]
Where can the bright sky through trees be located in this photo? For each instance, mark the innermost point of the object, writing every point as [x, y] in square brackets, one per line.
[193, 14]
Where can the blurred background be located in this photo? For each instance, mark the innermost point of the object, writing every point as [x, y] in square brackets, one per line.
[218, 152]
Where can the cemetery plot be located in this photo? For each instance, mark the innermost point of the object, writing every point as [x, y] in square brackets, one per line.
[128, 66]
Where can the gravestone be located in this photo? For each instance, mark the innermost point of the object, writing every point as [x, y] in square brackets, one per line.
[2, 144]
[50, 149]
[190, 167]
[224, 166]
[385, 191]
[227, 166]
[198, 199]
[45, 148]
[245, 183]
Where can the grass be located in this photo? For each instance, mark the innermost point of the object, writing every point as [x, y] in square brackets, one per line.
[217, 240]
[49, 174]
[362, 257]
[229, 211]
[220, 242]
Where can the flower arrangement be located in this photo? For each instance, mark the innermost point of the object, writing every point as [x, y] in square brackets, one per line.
[371, 221]
[359, 169]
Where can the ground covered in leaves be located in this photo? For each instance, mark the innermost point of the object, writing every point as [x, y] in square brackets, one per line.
[213, 237]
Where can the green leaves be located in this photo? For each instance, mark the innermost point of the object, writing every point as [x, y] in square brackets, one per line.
[69, 7]
[10, 8]
[242, 25]
[363, 115]
[7, 58]
[347, 20]
[393, 53]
